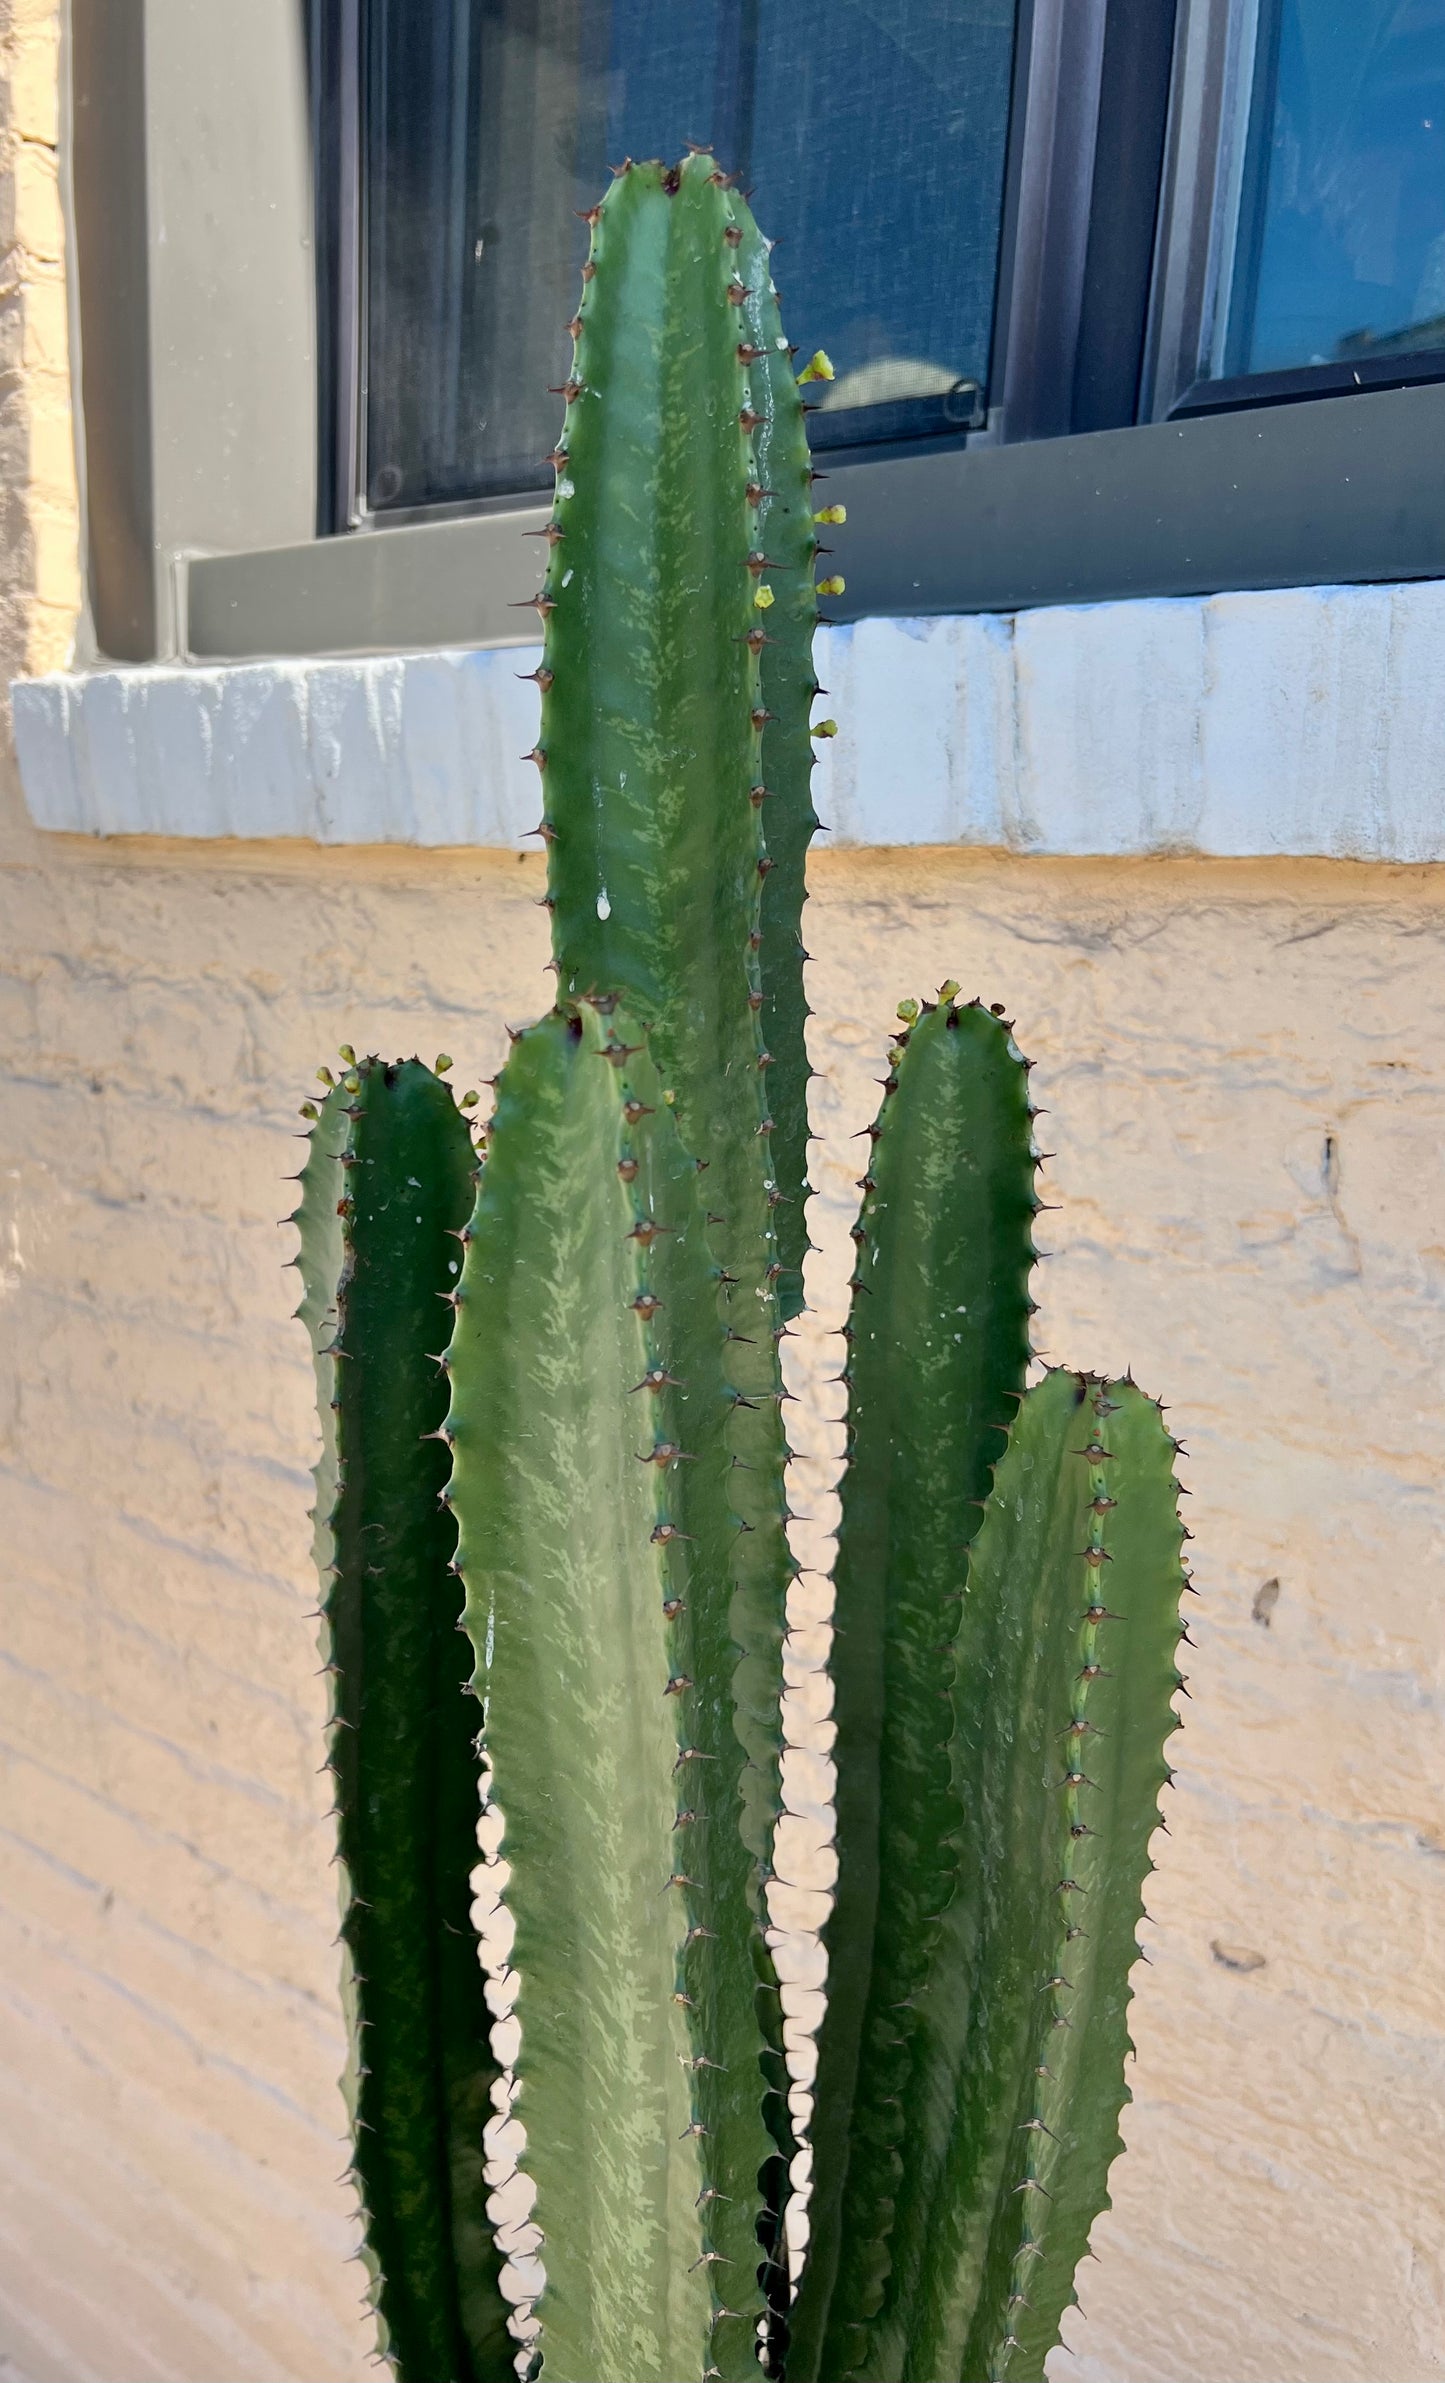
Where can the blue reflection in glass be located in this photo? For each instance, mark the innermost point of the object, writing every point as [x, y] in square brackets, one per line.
[1341, 250]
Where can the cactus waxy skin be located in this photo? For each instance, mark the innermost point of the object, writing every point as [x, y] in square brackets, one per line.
[936, 1364]
[592, 1487]
[652, 749]
[387, 1187]
[1063, 1700]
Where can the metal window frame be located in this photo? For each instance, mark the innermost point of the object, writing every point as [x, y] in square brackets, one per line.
[1044, 248]
[202, 441]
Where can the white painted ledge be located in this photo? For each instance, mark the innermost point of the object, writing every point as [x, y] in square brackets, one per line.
[1299, 721]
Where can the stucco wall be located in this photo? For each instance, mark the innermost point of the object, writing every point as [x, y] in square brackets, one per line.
[1245, 1072]
[1245, 1069]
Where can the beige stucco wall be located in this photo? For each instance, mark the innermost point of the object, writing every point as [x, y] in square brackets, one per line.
[1244, 1066]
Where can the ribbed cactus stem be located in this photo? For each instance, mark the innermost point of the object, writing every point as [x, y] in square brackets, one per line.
[788, 686]
[1063, 1699]
[938, 1345]
[657, 605]
[593, 1490]
[386, 1192]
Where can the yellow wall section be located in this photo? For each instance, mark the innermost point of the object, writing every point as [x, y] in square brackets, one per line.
[1245, 1072]
[1244, 1066]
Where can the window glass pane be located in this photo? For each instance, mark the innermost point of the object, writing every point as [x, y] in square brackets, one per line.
[871, 132]
[1341, 249]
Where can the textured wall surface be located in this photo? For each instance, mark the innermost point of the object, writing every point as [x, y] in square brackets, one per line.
[1245, 1073]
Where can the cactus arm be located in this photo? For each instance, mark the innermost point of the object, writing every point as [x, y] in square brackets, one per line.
[1066, 1675]
[650, 750]
[592, 1490]
[789, 685]
[401, 1748]
[938, 1348]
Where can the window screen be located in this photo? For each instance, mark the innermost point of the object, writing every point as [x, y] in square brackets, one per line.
[872, 134]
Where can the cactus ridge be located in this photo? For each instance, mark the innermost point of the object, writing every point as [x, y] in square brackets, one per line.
[787, 535]
[1063, 1702]
[594, 1493]
[937, 1352]
[387, 1184]
[654, 715]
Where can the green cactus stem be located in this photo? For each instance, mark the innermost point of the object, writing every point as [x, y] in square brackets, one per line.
[386, 1191]
[657, 606]
[1063, 1701]
[596, 1500]
[938, 1345]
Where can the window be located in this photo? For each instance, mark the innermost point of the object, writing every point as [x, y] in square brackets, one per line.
[1339, 250]
[1315, 137]
[877, 134]
[1125, 296]
[873, 132]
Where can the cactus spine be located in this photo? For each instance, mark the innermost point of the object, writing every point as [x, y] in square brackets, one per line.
[610, 1406]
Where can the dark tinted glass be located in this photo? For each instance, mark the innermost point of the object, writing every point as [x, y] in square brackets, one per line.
[872, 133]
[1341, 251]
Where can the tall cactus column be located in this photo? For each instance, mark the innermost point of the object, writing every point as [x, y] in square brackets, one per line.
[656, 605]
[681, 452]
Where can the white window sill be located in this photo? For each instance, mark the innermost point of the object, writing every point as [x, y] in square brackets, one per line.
[1299, 721]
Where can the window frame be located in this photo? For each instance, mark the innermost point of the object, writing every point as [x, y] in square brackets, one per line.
[1239, 489]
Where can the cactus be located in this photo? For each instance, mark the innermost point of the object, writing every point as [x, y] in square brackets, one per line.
[591, 1487]
[937, 1355]
[657, 602]
[1065, 1675]
[591, 1475]
[387, 1187]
